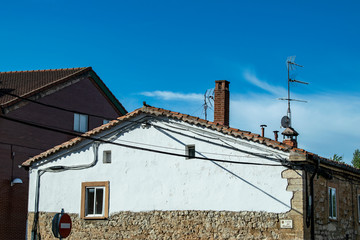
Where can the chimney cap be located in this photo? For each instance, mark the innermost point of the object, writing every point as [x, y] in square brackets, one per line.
[289, 131]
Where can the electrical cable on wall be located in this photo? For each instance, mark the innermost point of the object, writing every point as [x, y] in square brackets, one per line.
[264, 156]
[40, 172]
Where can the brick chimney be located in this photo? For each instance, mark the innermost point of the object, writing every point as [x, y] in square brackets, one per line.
[221, 102]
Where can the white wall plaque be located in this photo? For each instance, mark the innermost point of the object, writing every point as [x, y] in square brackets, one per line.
[286, 224]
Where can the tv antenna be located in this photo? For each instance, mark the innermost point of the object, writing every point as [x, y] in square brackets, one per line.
[291, 65]
[208, 100]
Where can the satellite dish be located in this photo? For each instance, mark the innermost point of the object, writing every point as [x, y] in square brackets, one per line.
[285, 122]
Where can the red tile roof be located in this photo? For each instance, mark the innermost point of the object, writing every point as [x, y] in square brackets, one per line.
[27, 83]
[237, 133]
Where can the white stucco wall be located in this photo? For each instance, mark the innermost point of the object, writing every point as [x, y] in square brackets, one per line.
[144, 181]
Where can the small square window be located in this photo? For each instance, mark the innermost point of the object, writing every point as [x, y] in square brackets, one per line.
[107, 157]
[190, 151]
[94, 200]
[80, 122]
[332, 203]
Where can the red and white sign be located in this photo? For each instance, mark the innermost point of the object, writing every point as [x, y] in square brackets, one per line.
[65, 225]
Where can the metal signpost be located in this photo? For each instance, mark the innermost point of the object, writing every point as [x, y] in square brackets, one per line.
[61, 225]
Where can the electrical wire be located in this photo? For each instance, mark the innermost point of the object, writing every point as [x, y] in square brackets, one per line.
[73, 111]
[53, 106]
[18, 145]
[60, 108]
[79, 112]
[229, 147]
[131, 146]
[206, 136]
[181, 149]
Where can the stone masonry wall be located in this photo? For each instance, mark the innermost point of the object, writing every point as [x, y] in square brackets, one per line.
[173, 225]
[296, 214]
[346, 226]
[189, 224]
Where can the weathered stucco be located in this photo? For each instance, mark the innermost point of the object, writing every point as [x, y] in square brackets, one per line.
[146, 181]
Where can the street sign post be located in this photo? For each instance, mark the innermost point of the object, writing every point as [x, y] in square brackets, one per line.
[61, 225]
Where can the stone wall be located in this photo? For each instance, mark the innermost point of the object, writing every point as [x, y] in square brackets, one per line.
[174, 225]
[346, 226]
[296, 214]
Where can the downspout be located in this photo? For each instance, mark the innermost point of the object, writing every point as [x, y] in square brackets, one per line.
[312, 200]
[40, 172]
[353, 210]
[308, 209]
[36, 214]
[312, 219]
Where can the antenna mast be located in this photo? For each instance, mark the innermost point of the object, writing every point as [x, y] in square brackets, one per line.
[208, 98]
[290, 62]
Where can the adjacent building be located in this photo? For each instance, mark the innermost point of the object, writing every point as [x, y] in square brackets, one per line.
[70, 100]
[158, 174]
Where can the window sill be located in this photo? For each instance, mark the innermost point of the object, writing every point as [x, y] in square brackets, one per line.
[95, 218]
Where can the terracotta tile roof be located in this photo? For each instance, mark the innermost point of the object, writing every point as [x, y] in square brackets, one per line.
[237, 133]
[26, 83]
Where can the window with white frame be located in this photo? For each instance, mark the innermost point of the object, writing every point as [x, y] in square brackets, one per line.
[332, 203]
[80, 122]
[190, 151]
[94, 200]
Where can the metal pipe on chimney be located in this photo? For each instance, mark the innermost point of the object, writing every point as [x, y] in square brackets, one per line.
[276, 135]
[263, 126]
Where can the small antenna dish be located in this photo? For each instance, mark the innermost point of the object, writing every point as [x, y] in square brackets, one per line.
[285, 122]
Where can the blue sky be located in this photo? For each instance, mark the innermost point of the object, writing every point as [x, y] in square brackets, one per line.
[168, 53]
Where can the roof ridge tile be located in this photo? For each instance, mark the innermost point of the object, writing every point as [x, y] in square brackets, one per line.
[45, 70]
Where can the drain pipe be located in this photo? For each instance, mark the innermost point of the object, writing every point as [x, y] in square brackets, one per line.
[36, 214]
[308, 206]
[312, 223]
[34, 230]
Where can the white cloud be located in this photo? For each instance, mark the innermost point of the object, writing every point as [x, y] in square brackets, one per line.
[253, 79]
[168, 95]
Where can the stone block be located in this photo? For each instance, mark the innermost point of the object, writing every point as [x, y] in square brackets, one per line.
[289, 173]
[295, 187]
